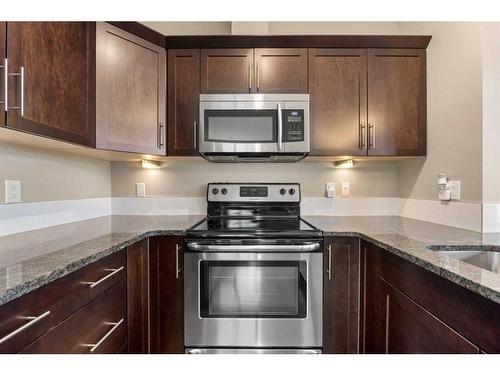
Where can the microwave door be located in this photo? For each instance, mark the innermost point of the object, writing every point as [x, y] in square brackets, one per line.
[240, 127]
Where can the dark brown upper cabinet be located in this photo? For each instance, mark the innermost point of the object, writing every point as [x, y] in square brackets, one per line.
[227, 71]
[262, 70]
[183, 101]
[368, 102]
[338, 101]
[3, 50]
[396, 102]
[281, 70]
[130, 92]
[49, 87]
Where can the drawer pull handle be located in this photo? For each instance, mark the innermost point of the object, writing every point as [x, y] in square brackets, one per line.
[103, 338]
[114, 271]
[32, 320]
[329, 270]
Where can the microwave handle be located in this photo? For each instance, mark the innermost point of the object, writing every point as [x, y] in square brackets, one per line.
[280, 128]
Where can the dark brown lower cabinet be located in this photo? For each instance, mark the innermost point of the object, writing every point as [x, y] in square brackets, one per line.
[409, 328]
[138, 297]
[99, 327]
[341, 289]
[407, 309]
[167, 294]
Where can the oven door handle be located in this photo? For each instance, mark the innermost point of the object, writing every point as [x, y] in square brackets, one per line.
[254, 248]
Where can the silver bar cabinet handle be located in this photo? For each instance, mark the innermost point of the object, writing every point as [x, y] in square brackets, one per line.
[94, 347]
[195, 132]
[249, 77]
[114, 271]
[258, 76]
[5, 85]
[362, 143]
[177, 269]
[371, 130]
[32, 320]
[329, 269]
[21, 99]
[161, 143]
[280, 128]
[289, 248]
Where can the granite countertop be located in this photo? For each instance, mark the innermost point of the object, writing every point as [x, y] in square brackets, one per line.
[32, 259]
[29, 260]
[410, 238]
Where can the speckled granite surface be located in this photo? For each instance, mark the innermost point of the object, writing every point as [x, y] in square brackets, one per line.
[410, 239]
[31, 259]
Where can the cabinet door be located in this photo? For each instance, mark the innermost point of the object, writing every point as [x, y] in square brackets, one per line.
[227, 71]
[281, 70]
[183, 101]
[341, 295]
[3, 55]
[409, 328]
[51, 88]
[396, 102]
[338, 94]
[130, 92]
[138, 297]
[167, 294]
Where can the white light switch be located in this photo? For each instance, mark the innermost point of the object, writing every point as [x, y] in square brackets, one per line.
[12, 191]
[330, 190]
[346, 188]
[140, 189]
[454, 187]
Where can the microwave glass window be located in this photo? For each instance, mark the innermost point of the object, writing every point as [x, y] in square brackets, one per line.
[243, 289]
[241, 126]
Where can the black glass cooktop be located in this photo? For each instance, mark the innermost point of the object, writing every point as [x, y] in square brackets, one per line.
[282, 227]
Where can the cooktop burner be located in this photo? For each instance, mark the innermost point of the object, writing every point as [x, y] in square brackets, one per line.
[253, 211]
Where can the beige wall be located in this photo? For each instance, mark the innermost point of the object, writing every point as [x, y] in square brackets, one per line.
[188, 178]
[454, 112]
[273, 28]
[491, 113]
[190, 28]
[49, 176]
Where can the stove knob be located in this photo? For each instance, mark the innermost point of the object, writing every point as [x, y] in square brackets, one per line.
[224, 191]
[215, 191]
[291, 191]
[282, 191]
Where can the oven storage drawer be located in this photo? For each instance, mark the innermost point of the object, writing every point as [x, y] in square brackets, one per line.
[253, 299]
[99, 327]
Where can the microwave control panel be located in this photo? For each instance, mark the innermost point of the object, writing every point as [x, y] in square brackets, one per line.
[293, 125]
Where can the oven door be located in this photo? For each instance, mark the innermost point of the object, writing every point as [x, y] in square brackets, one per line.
[253, 299]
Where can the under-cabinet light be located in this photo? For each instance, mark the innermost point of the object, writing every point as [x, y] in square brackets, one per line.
[344, 164]
[150, 164]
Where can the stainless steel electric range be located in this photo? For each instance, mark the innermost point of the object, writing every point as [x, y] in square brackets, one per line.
[253, 273]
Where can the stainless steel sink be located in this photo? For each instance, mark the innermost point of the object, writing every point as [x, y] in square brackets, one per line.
[485, 257]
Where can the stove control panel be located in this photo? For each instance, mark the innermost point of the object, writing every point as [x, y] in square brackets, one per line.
[241, 192]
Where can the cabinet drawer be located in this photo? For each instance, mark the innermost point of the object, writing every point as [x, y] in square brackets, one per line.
[25, 319]
[99, 327]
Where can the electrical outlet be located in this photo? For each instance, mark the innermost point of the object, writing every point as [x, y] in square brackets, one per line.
[346, 188]
[140, 189]
[12, 191]
[330, 190]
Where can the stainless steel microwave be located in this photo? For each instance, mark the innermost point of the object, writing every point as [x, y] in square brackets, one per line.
[254, 127]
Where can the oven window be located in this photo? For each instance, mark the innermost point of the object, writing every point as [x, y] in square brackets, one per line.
[253, 289]
[241, 126]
